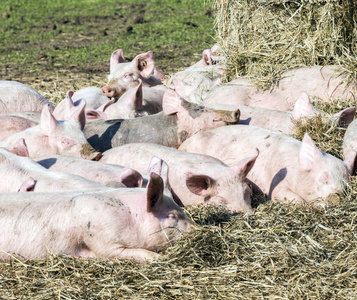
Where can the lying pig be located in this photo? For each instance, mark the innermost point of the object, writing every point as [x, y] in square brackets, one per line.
[92, 170]
[194, 179]
[349, 145]
[178, 121]
[114, 223]
[52, 137]
[324, 83]
[285, 169]
[11, 124]
[93, 95]
[24, 174]
[283, 121]
[16, 96]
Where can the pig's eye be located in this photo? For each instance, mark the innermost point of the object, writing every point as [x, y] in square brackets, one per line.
[66, 143]
[171, 216]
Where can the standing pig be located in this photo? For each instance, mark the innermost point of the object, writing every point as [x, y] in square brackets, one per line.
[93, 170]
[52, 137]
[115, 223]
[194, 179]
[16, 96]
[285, 168]
[178, 121]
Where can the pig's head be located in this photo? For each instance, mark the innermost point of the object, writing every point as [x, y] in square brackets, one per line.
[124, 76]
[320, 174]
[226, 187]
[66, 137]
[127, 107]
[165, 220]
[192, 118]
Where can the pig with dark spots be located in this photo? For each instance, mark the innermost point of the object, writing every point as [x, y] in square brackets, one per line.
[286, 169]
[52, 137]
[195, 179]
[112, 223]
[93, 170]
[16, 96]
[178, 121]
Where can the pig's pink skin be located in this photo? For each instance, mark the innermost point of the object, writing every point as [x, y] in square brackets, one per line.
[93, 95]
[92, 170]
[282, 121]
[285, 168]
[124, 76]
[115, 223]
[195, 179]
[52, 137]
[349, 146]
[18, 169]
[12, 124]
[320, 82]
[16, 96]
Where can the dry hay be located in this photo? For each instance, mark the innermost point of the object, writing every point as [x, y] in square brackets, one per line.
[262, 39]
[280, 251]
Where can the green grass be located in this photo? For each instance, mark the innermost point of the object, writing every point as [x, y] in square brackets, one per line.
[39, 36]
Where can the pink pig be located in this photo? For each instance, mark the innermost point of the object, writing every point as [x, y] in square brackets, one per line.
[195, 179]
[53, 137]
[16, 96]
[285, 169]
[114, 223]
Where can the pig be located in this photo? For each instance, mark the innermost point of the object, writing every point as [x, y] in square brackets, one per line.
[130, 105]
[92, 170]
[112, 223]
[349, 145]
[16, 96]
[283, 121]
[93, 95]
[178, 121]
[52, 137]
[195, 179]
[11, 124]
[24, 174]
[285, 169]
[322, 82]
[124, 76]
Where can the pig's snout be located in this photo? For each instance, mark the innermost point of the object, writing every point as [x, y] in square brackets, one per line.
[229, 117]
[108, 91]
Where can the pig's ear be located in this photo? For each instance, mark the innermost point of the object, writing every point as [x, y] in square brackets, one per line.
[243, 167]
[48, 123]
[346, 116]
[303, 107]
[171, 102]
[117, 57]
[144, 63]
[20, 148]
[179, 84]
[79, 115]
[131, 178]
[160, 167]
[309, 153]
[155, 191]
[350, 162]
[92, 114]
[28, 185]
[207, 58]
[134, 96]
[64, 107]
[199, 184]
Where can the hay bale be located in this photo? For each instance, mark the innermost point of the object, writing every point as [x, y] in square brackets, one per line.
[262, 39]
